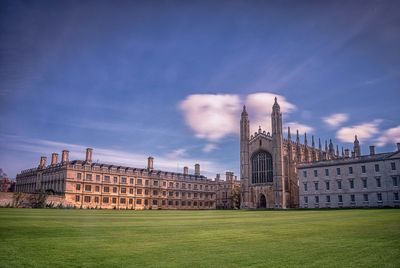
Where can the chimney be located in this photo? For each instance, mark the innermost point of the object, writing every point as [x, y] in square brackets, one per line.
[197, 170]
[398, 146]
[185, 170]
[371, 150]
[217, 178]
[353, 154]
[346, 153]
[89, 152]
[54, 159]
[150, 162]
[42, 163]
[65, 156]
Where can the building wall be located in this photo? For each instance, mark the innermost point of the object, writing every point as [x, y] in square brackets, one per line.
[226, 191]
[372, 188]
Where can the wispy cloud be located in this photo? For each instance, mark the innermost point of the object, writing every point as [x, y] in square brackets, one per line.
[209, 147]
[177, 153]
[392, 135]
[302, 128]
[364, 131]
[335, 120]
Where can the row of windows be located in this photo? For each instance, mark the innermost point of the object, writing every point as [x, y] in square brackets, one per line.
[364, 181]
[352, 198]
[338, 170]
[146, 182]
[122, 200]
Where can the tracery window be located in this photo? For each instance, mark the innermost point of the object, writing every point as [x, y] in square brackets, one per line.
[261, 168]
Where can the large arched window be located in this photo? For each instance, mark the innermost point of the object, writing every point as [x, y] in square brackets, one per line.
[261, 167]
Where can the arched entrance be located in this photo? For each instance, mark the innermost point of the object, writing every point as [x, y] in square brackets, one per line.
[263, 201]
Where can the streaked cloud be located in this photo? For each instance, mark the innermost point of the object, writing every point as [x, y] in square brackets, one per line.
[365, 131]
[177, 153]
[302, 128]
[392, 135]
[335, 120]
[209, 147]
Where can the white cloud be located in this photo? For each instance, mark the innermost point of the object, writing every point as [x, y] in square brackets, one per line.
[212, 116]
[302, 128]
[392, 135]
[178, 153]
[363, 131]
[209, 147]
[335, 120]
[260, 108]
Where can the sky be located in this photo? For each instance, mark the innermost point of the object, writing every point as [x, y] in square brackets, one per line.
[168, 79]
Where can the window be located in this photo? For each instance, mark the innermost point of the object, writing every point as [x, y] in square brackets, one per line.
[114, 200]
[365, 183]
[326, 172]
[396, 196]
[139, 191]
[131, 181]
[327, 185]
[155, 192]
[394, 179]
[338, 171]
[139, 181]
[79, 176]
[378, 182]
[96, 199]
[130, 201]
[376, 167]
[315, 173]
[78, 187]
[88, 188]
[305, 186]
[164, 184]
[350, 170]
[106, 189]
[122, 200]
[306, 199]
[195, 203]
[123, 180]
[87, 199]
[352, 198]
[123, 190]
[77, 198]
[155, 202]
[340, 198]
[164, 193]
[365, 197]
[155, 183]
[115, 179]
[97, 178]
[88, 177]
[183, 194]
[363, 170]
[146, 182]
[351, 182]
[183, 203]
[146, 192]
[316, 186]
[170, 203]
[163, 202]
[138, 201]
[97, 188]
[183, 186]
[106, 178]
[176, 203]
[393, 165]
[171, 184]
[177, 185]
[130, 190]
[170, 193]
[379, 197]
[305, 173]
[328, 199]
[261, 164]
[105, 200]
[317, 199]
[339, 185]
[115, 190]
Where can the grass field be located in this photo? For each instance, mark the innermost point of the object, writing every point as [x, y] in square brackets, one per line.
[99, 238]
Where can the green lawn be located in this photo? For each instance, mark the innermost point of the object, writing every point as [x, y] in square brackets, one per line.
[100, 238]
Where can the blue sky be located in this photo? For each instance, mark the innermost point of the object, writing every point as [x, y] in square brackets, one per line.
[168, 78]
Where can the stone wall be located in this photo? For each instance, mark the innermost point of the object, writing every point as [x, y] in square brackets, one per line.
[10, 199]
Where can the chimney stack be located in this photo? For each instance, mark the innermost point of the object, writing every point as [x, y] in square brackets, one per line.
[353, 154]
[54, 159]
[42, 163]
[197, 170]
[89, 152]
[398, 146]
[217, 178]
[371, 150]
[185, 170]
[150, 162]
[346, 153]
[65, 156]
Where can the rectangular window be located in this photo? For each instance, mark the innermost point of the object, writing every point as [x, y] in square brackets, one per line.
[379, 197]
[131, 181]
[365, 197]
[130, 201]
[139, 191]
[326, 172]
[327, 185]
[376, 167]
[96, 199]
[115, 190]
[97, 188]
[88, 177]
[315, 173]
[177, 203]
[304, 173]
[339, 185]
[146, 192]
[146, 182]
[338, 171]
[305, 186]
[351, 184]
[169, 202]
[393, 165]
[130, 190]
[350, 170]
[306, 199]
[164, 193]
[155, 202]
[363, 170]
[122, 200]
[139, 181]
[340, 198]
[177, 185]
[97, 178]
[88, 188]
[328, 199]
[115, 179]
[123, 180]
[106, 189]
[365, 183]
[79, 176]
[164, 184]
[114, 200]
[106, 178]
[155, 192]
[78, 187]
[378, 182]
[87, 199]
[352, 198]
[170, 193]
[77, 198]
[155, 183]
[317, 199]
[138, 201]
[394, 179]
[105, 200]
[396, 196]
[123, 190]
[316, 186]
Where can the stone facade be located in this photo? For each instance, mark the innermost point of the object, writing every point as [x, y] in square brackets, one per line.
[93, 185]
[352, 181]
[228, 191]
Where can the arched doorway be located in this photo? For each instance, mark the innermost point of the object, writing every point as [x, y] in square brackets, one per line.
[263, 201]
